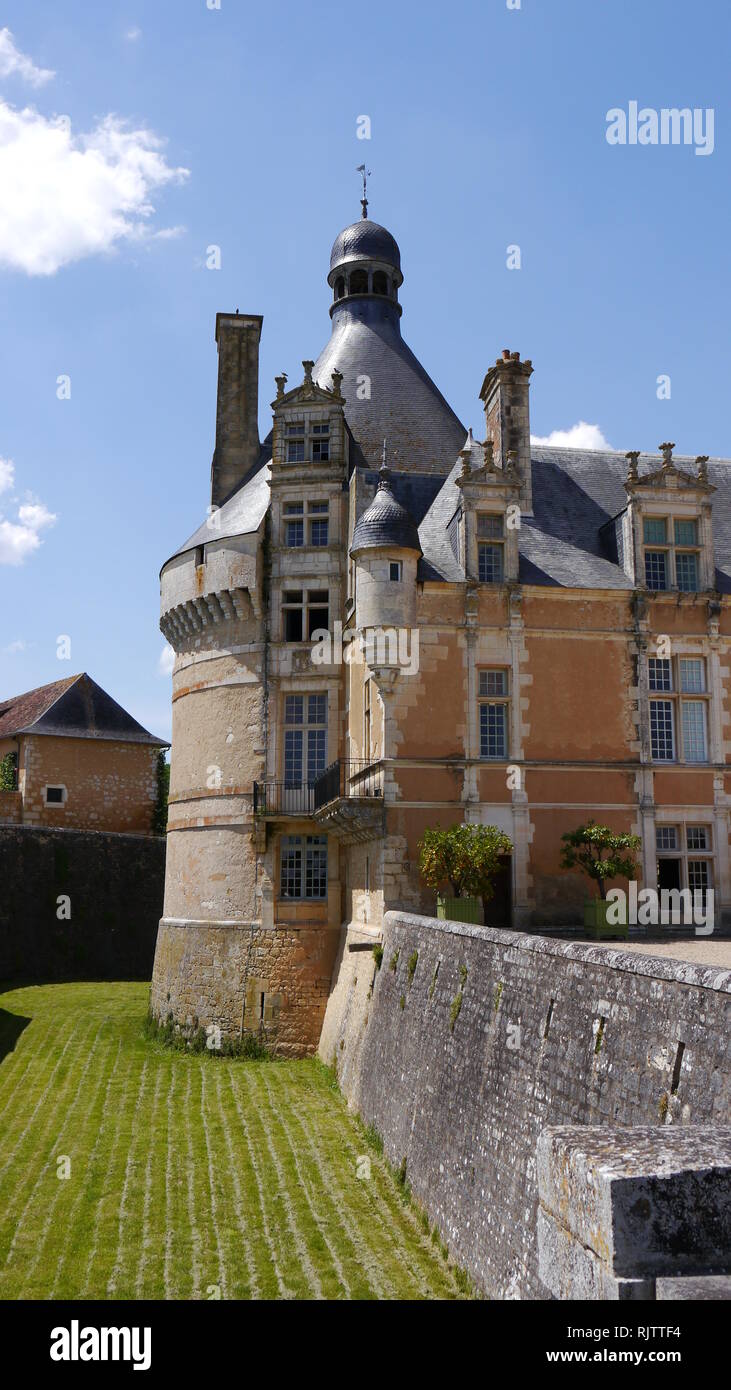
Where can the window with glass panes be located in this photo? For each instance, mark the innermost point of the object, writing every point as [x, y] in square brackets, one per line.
[305, 738]
[691, 847]
[320, 434]
[679, 725]
[493, 713]
[317, 519]
[490, 548]
[671, 553]
[303, 866]
[655, 533]
[294, 524]
[294, 433]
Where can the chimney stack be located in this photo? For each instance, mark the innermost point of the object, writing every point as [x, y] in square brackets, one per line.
[237, 405]
[507, 416]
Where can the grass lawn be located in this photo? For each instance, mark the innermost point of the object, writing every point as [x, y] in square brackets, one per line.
[190, 1176]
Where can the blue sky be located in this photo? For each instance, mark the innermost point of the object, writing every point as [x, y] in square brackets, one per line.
[187, 126]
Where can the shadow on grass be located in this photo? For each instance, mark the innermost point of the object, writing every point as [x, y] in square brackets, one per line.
[11, 1027]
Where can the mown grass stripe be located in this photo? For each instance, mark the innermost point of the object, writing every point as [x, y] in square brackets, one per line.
[247, 1284]
[371, 1280]
[127, 1200]
[54, 1235]
[314, 1191]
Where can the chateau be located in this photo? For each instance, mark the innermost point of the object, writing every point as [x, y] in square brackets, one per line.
[567, 624]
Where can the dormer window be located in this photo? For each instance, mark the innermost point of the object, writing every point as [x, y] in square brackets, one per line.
[490, 548]
[667, 559]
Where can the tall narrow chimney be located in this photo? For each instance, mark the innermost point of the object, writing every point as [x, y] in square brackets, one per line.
[237, 406]
[507, 416]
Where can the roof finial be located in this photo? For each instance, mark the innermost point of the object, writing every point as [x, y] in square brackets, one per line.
[364, 200]
[384, 472]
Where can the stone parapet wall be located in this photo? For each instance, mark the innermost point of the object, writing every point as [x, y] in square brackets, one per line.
[495, 1035]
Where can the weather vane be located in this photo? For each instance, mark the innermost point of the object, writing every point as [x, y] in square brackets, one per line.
[366, 175]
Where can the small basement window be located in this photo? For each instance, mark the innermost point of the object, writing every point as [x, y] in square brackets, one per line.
[55, 796]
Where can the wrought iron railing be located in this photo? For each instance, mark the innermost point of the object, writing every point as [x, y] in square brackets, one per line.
[346, 777]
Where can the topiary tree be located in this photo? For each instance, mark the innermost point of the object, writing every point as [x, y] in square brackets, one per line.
[600, 853]
[467, 857]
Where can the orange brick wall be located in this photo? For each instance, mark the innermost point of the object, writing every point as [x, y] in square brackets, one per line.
[110, 786]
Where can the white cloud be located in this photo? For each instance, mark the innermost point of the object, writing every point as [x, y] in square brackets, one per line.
[66, 197]
[14, 63]
[19, 645]
[133, 34]
[7, 474]
[20, 535]
[167, 661]
[581, 436]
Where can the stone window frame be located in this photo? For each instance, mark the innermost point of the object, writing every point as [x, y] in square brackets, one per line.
[686, 854]
[490, 540]
[54, 787]
[315, 511]
[304, 848]
[487, 700]
[305, 726]
[670, 548]
[304, 433]
[665, 686]
[306, 604]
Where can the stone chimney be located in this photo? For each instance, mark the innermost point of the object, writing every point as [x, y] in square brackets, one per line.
[237, 407]
[507, 417]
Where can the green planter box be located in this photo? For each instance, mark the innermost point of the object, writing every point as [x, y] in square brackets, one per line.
[597, 926]
[459, 909]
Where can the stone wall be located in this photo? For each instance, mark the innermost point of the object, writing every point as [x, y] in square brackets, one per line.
[273, 982]
[114, 887]
[469, 1041]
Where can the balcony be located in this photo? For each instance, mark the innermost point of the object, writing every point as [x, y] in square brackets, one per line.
[346, 799]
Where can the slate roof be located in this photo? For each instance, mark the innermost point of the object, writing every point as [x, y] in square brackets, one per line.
[385, 522]
[575, 493]
[404, 407]
[365, 240]
[74, 708]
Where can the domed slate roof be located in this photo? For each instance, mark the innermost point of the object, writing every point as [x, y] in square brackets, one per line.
[385, 523]
[365, 240]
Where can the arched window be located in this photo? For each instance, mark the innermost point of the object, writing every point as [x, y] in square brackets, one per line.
[339, 287]
[358, 282]
[380, 282]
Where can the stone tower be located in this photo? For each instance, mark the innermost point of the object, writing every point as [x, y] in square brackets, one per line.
[255, 721]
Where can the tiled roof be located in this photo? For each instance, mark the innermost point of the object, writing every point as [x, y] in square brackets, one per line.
[75, 707]
[21, 711]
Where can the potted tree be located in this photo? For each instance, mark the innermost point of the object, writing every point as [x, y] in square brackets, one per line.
[467, 858]
[601, 854]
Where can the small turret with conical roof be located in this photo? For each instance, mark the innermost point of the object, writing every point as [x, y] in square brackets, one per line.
[386, 551]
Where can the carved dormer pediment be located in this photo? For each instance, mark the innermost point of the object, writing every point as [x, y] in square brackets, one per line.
[487, 475]
[668, 477]
[308, 392]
